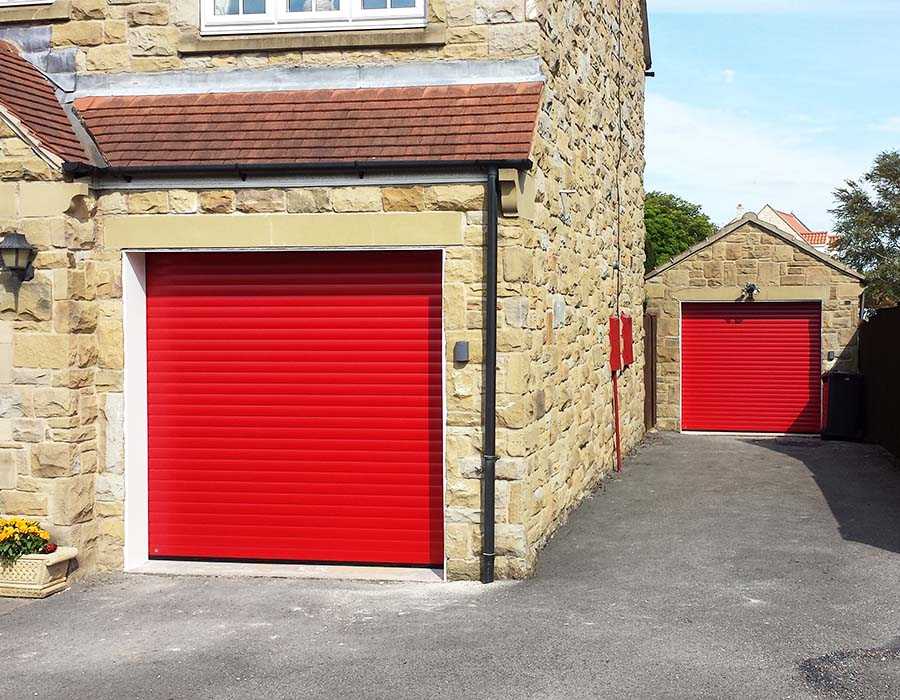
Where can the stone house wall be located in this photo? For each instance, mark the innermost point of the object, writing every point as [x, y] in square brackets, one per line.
[585, 156]
[60, 365]
[131, 35]
[561, 276]
[719, 272]
[61, 457]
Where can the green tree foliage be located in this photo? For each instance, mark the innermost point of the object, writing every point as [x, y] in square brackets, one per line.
[867, 219]
[673, 226]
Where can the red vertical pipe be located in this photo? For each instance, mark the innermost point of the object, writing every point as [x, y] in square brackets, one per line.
[615, 364]
[615, 382]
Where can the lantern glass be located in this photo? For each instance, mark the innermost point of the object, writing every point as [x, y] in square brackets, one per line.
[16, 252]
[10, 258]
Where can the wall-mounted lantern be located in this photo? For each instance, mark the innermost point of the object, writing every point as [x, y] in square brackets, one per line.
[17, 256]
[750, 291]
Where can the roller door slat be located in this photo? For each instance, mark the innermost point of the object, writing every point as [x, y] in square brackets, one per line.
[751, 367]
[295, 406]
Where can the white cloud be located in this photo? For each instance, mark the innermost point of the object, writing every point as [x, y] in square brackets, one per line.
[891, 125]
[719, 159]
[728, 75]
[771, 6]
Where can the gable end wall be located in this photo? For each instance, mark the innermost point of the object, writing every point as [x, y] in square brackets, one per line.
[718, 273]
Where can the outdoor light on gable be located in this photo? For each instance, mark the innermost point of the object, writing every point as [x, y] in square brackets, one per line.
[750, 291]
[17, 256]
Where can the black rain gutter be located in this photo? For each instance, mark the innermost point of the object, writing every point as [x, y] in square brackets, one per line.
[489, 448]
[244, 170]
[645, 30]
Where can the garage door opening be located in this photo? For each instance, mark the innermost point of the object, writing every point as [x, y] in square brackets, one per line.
[295, 407]
[751, 367]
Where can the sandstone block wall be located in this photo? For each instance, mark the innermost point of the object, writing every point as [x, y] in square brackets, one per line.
[545, 409]
[61, 414]
[750, 254]
[19, 161]
[132, 35]
[561, 276]
[60, 364]
[62, 455]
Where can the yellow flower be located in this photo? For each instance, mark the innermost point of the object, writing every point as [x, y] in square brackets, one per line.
[14, 528]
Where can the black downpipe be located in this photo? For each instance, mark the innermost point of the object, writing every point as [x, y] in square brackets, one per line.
[489, 449]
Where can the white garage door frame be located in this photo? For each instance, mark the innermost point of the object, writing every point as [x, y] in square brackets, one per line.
[136, 505]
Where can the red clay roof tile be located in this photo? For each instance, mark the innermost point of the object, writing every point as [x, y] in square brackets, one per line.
[30, 97]
[817, 237]
[438, 123]
[794, 222]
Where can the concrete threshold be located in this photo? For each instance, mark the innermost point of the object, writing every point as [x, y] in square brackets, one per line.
[300, 571]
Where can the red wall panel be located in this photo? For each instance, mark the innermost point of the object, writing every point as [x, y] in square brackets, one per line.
[753, 367]
[295, 406]
[615, 344]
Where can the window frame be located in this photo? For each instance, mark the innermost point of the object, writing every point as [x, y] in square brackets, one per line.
[278, 19]
[24, 3]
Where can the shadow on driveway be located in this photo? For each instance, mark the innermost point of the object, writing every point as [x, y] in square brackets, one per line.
[862, 493]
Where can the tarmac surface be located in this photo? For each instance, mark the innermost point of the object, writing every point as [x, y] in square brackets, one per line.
[714, 567]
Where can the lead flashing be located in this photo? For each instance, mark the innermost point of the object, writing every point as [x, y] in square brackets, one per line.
[409, 74]
[34, 43]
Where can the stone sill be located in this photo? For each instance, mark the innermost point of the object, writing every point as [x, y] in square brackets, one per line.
[29, 13]
[431, 35]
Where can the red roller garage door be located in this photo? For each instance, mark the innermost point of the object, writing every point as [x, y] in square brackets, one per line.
[751, 367]
[295, 406]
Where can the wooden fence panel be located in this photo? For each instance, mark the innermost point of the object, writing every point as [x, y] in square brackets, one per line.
[880, 364]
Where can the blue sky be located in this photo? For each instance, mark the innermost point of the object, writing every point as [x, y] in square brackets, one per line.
[770, 101]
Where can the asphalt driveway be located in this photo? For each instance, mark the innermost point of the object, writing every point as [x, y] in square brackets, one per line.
[715, 567]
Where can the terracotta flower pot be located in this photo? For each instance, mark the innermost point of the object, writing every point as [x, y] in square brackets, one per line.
[36, 575]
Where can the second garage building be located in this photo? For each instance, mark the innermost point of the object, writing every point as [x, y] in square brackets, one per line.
[749, 320]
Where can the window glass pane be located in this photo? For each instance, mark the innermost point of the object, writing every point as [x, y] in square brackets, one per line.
[299, 5]
[227, 7]
[254, 7]
[374, 4]
[328, 5]
[402, 4]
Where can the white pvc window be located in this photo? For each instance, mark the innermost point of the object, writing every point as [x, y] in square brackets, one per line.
[20, 3]
[266, 16]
